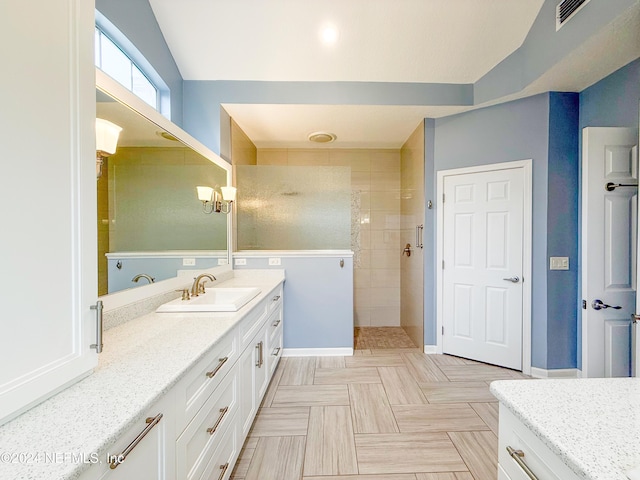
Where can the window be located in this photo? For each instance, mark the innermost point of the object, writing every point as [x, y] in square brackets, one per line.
[114, 62]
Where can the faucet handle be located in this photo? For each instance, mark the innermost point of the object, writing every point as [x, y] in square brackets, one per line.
[185, 293]
[201, 287]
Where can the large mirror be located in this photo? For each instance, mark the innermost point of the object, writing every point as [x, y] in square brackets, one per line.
[151, 224]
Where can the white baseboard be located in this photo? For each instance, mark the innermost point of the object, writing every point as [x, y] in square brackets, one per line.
[430, 349]
[559, 373]
[317, 352]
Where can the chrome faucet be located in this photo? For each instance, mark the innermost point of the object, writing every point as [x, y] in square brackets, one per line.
[149, 278]
[197, 288]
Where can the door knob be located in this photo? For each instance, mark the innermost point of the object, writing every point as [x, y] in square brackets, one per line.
[635, 318]
[407, 250]
[598, 305]
[512, 279]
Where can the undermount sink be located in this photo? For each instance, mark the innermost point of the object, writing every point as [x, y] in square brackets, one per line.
[215, 299]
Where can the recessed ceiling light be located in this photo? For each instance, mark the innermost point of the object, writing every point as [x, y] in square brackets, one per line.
[322, 137]
[329, 34]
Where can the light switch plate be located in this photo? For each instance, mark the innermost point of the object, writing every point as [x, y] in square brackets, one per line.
[240, 261]
[558, 263]
[222, 261]
[274, 261]
[188, 262]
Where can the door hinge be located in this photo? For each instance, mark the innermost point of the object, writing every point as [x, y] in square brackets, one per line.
[443, 198]
[443, 264]
[584, 304]
[443, 330]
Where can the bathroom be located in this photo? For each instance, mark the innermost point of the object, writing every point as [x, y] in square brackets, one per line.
[532, 118]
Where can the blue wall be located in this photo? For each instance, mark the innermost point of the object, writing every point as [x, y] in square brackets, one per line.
[512, 131]
[562, 226]
[135, 19]
[318, 306]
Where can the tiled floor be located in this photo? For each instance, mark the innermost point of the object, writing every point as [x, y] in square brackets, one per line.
[383, 414]
[380, 337]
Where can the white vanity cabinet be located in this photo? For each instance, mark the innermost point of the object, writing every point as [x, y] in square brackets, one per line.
[517, 441]
[48, 188]
[145, 452]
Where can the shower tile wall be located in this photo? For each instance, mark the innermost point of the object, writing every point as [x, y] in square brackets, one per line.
[375, 179]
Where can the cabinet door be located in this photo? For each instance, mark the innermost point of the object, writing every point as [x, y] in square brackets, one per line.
[254, 378]
[48, 190]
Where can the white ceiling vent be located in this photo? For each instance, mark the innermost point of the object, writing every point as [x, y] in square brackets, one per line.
[567, 9]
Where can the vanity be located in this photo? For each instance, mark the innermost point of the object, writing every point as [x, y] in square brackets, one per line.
[568, 429]
[173, 397]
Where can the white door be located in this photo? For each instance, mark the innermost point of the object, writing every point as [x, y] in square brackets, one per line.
[609, 156]
[483, 247]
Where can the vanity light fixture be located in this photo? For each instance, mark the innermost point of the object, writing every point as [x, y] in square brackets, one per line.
[107, 134]
[214, 201]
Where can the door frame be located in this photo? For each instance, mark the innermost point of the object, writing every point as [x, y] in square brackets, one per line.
[527, 217]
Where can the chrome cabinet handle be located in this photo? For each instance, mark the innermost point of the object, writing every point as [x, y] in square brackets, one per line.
[276, 352]
[276, 298]
[223, 412]
[260, 360]
[599, 305]
[224, 470]
[512, 279]
[221, 362]
[98, 345]
[118, 459]
[419, 230]
[518, 455]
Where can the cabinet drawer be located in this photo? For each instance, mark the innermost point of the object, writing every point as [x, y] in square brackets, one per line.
[223, 459]
[252, 323]
[275, 298]
[203, 435]
[196, 387]
[537, 456]
[274, 326]
[275, 350]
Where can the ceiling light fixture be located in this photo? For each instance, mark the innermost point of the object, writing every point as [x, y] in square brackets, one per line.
[329, 34]
[322, 137]
[107, 134]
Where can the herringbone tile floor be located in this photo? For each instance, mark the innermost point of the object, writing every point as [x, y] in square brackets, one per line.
[382, 414]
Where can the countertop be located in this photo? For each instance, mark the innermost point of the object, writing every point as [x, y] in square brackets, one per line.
[593, 425]
[142, 359]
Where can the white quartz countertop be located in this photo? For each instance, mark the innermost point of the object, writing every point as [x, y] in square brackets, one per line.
[142, 359]
[593, 425]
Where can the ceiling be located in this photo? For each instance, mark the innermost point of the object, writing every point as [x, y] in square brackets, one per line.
[426, 41]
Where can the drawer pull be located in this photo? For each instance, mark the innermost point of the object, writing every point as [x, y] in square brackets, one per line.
[221, 361]
[517, 455]
[276, 323]
[260, 359]
[276, 298]
[224, 470]
[151, 422]
[223, 412]
[276, 352]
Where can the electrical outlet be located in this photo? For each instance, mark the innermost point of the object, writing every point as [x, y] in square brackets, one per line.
[240, 261]
[223, 261]
[558, 263]
[274, 261]
[188, 262]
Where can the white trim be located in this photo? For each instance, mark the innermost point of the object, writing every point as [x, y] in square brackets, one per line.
[527, 249]
[169, 254]
[557, 373]
[291, 253]
[317, 352]
[430, 349]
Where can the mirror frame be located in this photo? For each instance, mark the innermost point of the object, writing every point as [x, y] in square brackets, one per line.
[119, 93]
